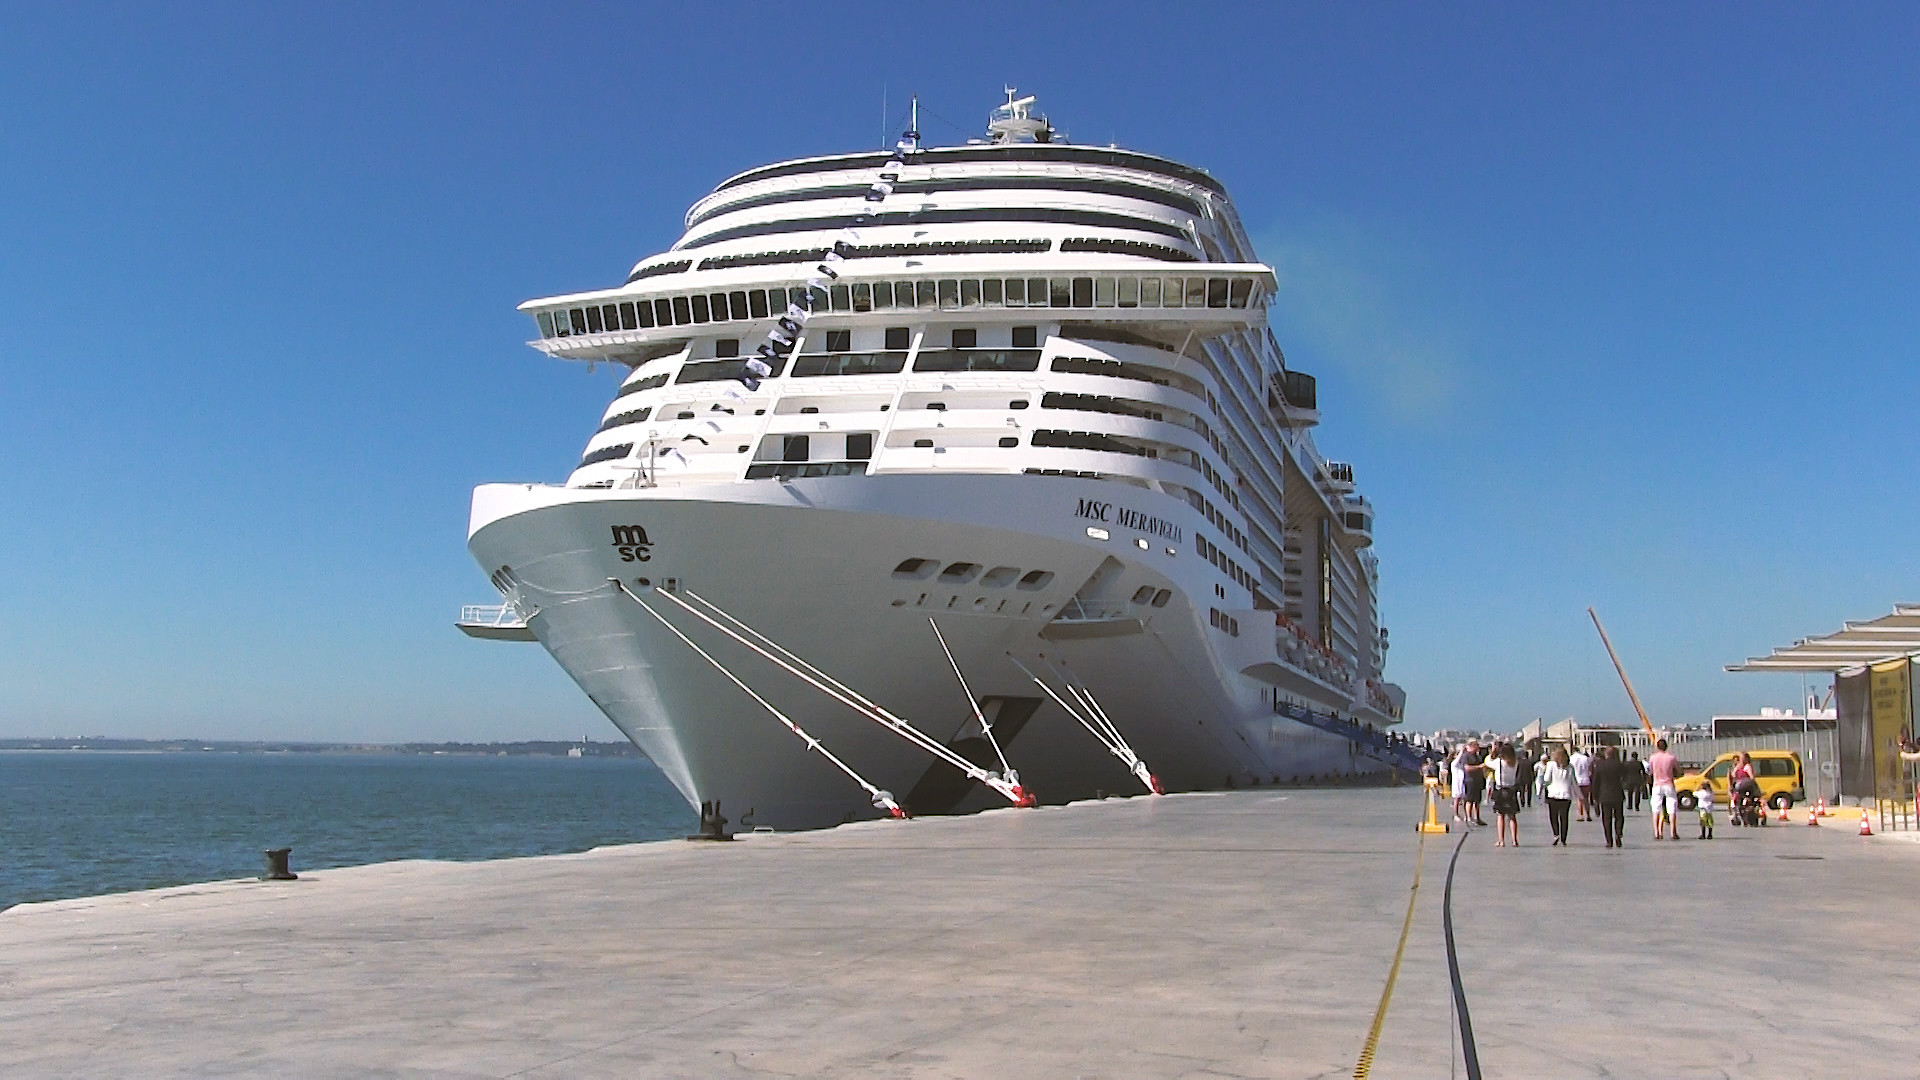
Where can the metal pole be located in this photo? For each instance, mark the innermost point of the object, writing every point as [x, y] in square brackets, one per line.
[1645, 724]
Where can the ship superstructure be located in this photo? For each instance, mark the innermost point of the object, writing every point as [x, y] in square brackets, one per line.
[1032, 436]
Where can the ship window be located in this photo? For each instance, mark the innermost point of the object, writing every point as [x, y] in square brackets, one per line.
[1036, 579]
[990, 292]
[882, 295]
[1083, 292]
[793, 448]
[1217, 292]
[1160, 598]
[645, 311]
[1060, 293]
[610, 314]
[1129, 294]
[923, 294]
[960, 572]
[999, 577]
[839, 341]
[627, 320]
[810, 409]
[966, 338]
[593, 320]
[936, 406]
[1021, 404]
[682, 313]
[1016, 292]
[737, 301]
[898, 337]
[1241, 290]
[1143, 594]
[1196, 292]
[545, 319]
[721, 307]
[949, 293]
[757, 304]
[923, 444]
[838, 298]
[1171, 294]
[663, 313]
[1026, 337]
[914, 568]
[863, 298]
[702, 308]
[817, 300]
[1008, 442]
[1036, 292]
[776, 302]
[1103, 289]
[726, 347]
[860, 446]
[969, 292]
[903, 294]
[1150, 292]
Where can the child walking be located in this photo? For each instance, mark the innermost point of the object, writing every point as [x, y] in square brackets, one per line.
[1706, 811]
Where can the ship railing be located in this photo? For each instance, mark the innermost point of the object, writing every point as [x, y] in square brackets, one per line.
[502, 616]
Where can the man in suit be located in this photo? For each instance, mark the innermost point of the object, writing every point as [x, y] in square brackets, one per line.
[1610, 794]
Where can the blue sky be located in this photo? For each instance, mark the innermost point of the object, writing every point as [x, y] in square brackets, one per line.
[1610, 305]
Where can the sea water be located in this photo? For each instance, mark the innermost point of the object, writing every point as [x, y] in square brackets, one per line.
[79, 823]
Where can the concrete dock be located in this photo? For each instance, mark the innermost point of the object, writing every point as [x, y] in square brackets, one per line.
[1247, 935]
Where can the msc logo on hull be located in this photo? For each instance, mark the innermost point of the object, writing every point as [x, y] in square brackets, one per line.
[632, 543]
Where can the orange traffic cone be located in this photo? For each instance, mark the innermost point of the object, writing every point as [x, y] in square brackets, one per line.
[1813, 819]
[1782, 819]
[1820, 807]
[1865, 829]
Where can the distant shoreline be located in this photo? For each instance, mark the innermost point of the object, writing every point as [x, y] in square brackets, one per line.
[523, 748]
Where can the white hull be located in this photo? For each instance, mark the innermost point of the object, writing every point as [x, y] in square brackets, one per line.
[812, 564]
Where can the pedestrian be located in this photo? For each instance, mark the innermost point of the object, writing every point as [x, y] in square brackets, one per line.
[1557, 786]
[1662, 768]
[1582, 763]
[1742, 770]
[1610, 793]
[1474, 762]
[1504, 772]
[1526, 777]
[1705, 801]
[1457, 782]
[1636, 779]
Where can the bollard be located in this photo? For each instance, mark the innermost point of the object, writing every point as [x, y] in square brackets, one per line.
[276, 861]
[713, 826]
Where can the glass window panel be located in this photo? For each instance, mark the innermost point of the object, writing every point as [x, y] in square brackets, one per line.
[662, 313]
[839, 298]
[701, 311]
[990, 292]
[899, 337]
[1016, 292]
[610, 314]
[578, 319]
[1242, 288]
[1083, 292]
[882, 295]
[644, 309]
[966, 338]
[594, 325]
[1196, 292]
[1026, 337]
[546, 323]
[949, 293]
[1036, 292]
[863, 298]
[969, 292]
[1171, 294]
[1217, 292]
[1103, 290]
[627, 318]
[839, 341]
[776, 302]
[682, 311]
[1150, 292]
[757, 303]
[719, 306]
[1128, 293]
[738, 302]
[819, 300]
[727, 348]
[1060, 292]
[923, 294]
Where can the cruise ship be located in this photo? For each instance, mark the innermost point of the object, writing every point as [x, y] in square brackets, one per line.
[944, 478]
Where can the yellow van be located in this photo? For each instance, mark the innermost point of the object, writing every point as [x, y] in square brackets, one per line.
[1780, 775]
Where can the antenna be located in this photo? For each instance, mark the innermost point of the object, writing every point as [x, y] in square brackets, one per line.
[913, 122]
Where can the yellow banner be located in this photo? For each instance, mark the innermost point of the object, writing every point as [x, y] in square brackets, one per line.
[1890, 717]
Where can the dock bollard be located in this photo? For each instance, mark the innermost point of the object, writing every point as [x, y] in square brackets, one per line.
[713, 824]
[276, 860]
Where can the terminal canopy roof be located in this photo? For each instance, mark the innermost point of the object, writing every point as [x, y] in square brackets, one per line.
[1858, 643]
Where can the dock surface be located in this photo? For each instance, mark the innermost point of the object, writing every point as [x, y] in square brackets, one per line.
[1246, 934]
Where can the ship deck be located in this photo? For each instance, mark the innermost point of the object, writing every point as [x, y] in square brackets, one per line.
[1244, 934]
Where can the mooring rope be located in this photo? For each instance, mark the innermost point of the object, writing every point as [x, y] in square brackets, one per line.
[1467, 1049]
[1365, 1065]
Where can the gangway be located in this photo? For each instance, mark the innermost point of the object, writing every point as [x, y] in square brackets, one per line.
[1375, 744]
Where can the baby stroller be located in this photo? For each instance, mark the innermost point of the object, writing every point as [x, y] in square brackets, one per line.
[1749, 808]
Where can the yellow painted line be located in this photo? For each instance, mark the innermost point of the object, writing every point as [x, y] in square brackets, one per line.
[1365, 1065]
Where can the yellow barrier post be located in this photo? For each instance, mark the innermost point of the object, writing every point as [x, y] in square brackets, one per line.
[1433, 824]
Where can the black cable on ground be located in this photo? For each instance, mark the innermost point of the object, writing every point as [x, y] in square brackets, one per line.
[1467, 1048]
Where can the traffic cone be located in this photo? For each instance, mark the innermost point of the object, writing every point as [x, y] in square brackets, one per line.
[1820, 807]
[1865, 829]
[1782, 819]
[1813, 819]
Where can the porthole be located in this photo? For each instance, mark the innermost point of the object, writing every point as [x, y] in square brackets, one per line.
[1160, 598]
[1021, 404]
[1036, 579]
[1098, 533]
[923, 444]
[1143, 594]
[914, 568]
[960, 572]
[999, 577]
[1008, 442]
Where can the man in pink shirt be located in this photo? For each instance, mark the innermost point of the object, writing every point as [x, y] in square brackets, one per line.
[1662, 767]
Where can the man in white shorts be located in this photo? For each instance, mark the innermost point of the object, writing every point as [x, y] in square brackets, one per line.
[1662, 767]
